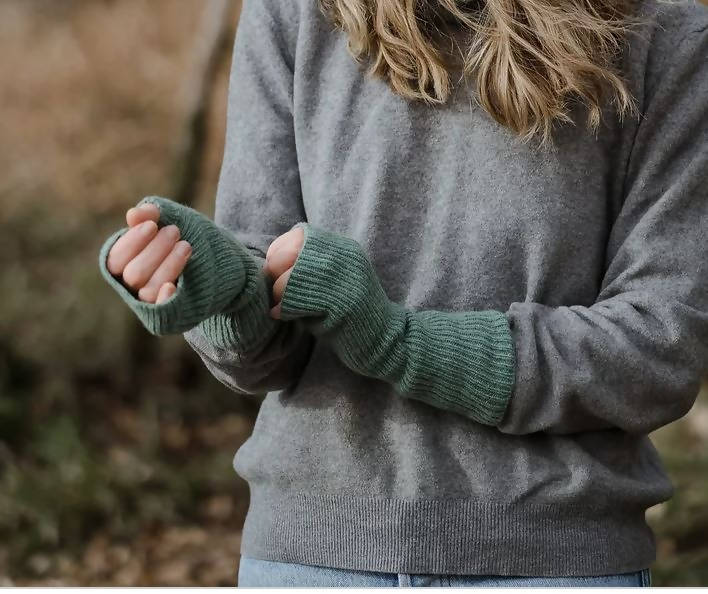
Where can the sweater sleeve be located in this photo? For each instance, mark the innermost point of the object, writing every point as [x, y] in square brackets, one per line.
[258, 197]
[633, 360]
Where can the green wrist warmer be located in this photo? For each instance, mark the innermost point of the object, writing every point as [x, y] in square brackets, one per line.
[222, 287]
[459, 361]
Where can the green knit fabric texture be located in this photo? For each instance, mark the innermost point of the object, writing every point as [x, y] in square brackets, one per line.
[222, 288]
[459, 361]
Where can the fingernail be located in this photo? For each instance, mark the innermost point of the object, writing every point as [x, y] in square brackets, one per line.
[146, 205]
[146, 227]
[172, 231]
[184, 249]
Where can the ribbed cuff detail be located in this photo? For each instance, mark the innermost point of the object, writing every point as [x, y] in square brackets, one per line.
[459, 361]
[464, 362]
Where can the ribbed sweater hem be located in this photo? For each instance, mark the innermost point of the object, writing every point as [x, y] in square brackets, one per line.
[451, 536]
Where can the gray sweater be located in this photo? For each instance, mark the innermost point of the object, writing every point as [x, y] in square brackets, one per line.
[596, 252]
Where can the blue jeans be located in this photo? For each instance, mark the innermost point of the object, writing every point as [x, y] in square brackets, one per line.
[255, 573]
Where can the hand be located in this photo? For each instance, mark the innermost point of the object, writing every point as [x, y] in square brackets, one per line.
[280, 258]
[149, 260]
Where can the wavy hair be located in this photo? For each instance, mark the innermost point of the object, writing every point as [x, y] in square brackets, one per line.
[530, 60]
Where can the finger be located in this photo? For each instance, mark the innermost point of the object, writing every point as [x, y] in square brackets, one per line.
[140, 214]
[166, 291]
[284, 254]
[130, 245]
[281, 260]
[275, 312]
[138, 271]
[279, 285]
[282, 249]
[167, 272]
[275, 243]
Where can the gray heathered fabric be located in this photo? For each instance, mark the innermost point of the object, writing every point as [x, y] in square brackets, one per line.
[596, 251]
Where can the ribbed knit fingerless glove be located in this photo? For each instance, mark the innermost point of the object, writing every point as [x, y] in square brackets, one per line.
[459, 361]
[222, 287]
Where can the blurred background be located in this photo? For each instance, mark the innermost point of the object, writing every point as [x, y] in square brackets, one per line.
[116, 446]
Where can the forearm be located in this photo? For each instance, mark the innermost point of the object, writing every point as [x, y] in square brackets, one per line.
[275, 365]
[631, 362]
[258, 198]
[458, 361]
[463, 362]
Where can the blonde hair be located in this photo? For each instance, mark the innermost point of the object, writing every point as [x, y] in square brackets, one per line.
[530, 59]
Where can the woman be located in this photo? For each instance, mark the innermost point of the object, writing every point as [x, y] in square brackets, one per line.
[461, 246]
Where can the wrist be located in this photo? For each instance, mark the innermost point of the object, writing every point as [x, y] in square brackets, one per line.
[245, 323]
[332, 281]
[335, 292]
[458, 361]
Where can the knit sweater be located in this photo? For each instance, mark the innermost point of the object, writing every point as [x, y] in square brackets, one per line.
[478, 335]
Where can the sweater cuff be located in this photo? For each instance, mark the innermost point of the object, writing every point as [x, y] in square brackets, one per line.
[466, 362]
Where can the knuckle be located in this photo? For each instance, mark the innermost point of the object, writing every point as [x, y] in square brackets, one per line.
[171, 232]
[294, 236]
[133, 276]
[112, 263]
[292, 255]
[273, 247]
[285, 257]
